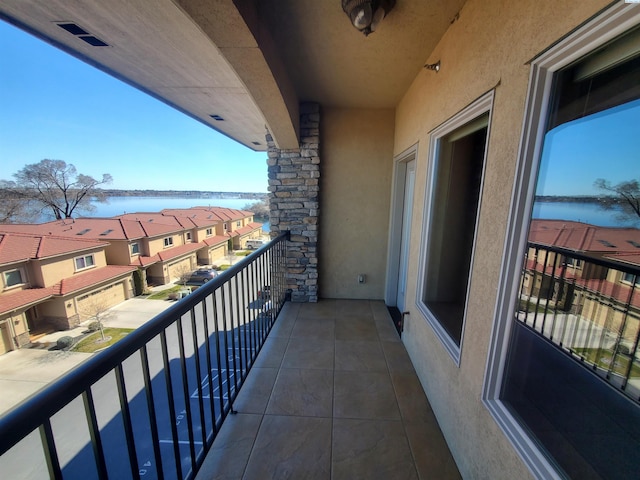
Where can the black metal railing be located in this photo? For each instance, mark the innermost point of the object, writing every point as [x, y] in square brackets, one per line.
[151, 405]
[587, 306]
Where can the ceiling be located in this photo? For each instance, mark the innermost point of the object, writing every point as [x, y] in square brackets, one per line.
[243, 66]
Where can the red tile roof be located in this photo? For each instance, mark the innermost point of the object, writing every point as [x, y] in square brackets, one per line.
[215, 240]
[21, 247]
[584, 237]
[248, 228]
[23, 298]
[91, 278]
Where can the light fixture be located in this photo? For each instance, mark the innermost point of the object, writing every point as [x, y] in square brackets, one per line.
[433, 66]
[366, 15]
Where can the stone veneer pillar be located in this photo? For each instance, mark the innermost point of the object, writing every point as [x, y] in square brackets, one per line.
[294, 188]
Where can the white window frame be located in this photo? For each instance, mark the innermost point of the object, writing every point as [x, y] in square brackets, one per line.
[84, 260]
[167, 242]
[481, 106]
[209, 232]
[611, 23]
[188, 236]
[135, 246]
[23, 278]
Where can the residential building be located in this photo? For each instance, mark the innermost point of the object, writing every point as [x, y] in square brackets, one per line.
[54, 283]
[404, 164]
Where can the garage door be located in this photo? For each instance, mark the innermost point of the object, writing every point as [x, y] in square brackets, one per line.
[177, 269]
[104, 298]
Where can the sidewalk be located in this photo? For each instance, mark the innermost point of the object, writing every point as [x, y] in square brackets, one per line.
[25, 371]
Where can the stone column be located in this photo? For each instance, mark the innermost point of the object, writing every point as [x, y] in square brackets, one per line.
[293, 198]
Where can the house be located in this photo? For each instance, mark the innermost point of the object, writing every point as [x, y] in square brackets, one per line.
[54, 283]
[404, 163]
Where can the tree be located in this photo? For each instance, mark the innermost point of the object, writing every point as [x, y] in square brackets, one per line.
[58, 187]
[626, 194]
[13, 206]
[260, 209]
[99, 310]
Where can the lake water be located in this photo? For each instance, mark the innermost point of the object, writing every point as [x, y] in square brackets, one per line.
[119, 205]
[591, 213]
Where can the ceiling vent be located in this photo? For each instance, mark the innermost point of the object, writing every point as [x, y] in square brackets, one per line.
[217, 118]
[82, 34]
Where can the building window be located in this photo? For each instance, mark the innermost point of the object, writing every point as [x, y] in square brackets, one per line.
[457, 154]
[238, 224]
[13, 278]
[84, 262]
[556, 381]
[168, 242]
[209, 232]
[189, 236]
[572, 262]
[135, 248]
[631, 278]
[225, 226]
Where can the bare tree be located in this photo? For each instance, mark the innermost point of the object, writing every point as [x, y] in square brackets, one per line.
[99, 311]
[626, 195]
[183, 271]
[260, 208]
[58, 187]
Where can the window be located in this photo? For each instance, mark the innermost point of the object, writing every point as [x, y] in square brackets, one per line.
[225, 227]
[188, 236]
[573, 262]
[135, 248]
[168, 241]
[238, 224]
[209, 232]
[13, 278]
[457, 154]
[569, 416]
[84, 262]
[631, 278]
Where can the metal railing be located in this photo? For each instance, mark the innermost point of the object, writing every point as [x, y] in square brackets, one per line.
[589, 307]
[151, 405]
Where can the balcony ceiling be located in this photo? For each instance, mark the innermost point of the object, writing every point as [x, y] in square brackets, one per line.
[249, 62]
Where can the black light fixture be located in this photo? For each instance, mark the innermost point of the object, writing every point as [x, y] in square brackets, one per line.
[366, 15]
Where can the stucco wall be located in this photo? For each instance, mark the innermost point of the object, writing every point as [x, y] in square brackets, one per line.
[357, 161]
[488, 47]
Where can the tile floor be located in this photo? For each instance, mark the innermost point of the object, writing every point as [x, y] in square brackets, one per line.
[332, 395]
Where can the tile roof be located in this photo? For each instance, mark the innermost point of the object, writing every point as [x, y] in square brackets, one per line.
[169, 254]
[215, 240]
[24, 298]
[585, 237]
[248, 228]
[91, 278]
[21, 247]
[91, 228]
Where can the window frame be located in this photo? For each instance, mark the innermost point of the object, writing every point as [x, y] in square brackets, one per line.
[167, 242]
[135, 246]
[84, 260]
[209, 231]
[600, 29]
[481, 106]
[22, 281]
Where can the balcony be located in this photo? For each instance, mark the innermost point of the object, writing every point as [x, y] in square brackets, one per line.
[233, 382]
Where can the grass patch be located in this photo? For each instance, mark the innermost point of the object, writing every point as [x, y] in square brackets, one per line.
[164, 294]
[531, 306]
[603, 358]
[224, 267]
[243, 253]
[94, 341]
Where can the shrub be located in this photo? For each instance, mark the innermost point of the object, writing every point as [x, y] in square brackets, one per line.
[93, 326]
[64, 342]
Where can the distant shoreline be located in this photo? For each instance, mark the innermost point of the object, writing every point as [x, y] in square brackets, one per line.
[182, 194]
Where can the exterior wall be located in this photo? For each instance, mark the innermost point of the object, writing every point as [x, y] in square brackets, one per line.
[486, 48]
[55, 269]
[119, 252]
[357, 165]
[293, 198]
[157, 244]
[177, 268]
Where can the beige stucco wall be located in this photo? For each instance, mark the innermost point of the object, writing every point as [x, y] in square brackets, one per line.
[488, 47]
[355, 176]
[119, 252]
[55, 269]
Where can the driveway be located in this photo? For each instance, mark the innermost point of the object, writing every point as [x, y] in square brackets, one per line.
[23, 372]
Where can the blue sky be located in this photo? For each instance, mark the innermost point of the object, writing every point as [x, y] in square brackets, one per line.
[603, 145]
[54, 106]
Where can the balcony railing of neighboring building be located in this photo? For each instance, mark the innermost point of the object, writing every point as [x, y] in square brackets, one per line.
[586, 306]
[152, 404]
